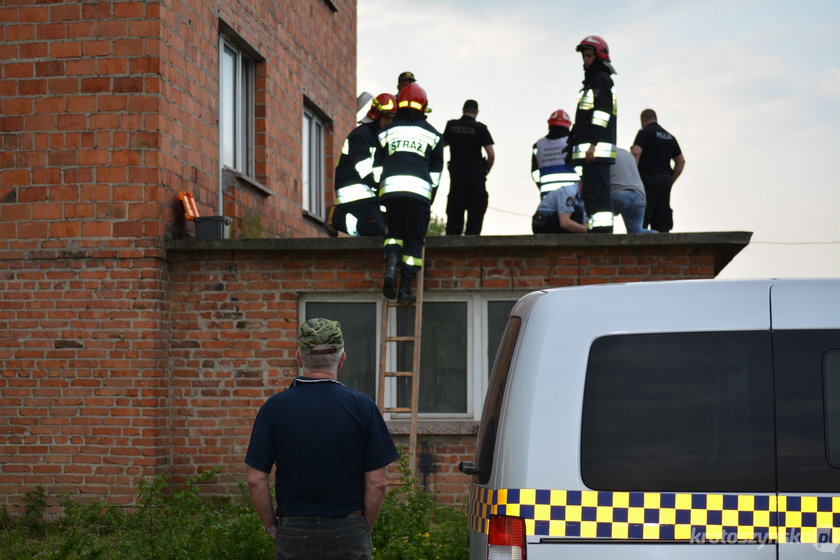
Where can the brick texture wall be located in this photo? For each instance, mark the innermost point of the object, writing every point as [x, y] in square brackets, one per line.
[235, 315]
[112, 373]
[107, 110]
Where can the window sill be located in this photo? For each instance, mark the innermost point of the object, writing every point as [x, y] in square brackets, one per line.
[245, 181]
[435, 427]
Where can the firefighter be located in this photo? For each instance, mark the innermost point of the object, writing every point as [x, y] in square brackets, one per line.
[357, 209]
[408, 163]
[404, 79]
[548, 162]
[593, 136]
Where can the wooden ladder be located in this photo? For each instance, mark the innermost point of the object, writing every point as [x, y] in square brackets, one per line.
[389, 341]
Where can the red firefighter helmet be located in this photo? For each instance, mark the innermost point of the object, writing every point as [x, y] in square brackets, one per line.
[382, 103]
[602, 50]
[413, 96]
[560, 118]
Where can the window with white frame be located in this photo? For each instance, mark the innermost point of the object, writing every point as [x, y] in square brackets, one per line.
[236, 107]
[460, 335]
[312, 156]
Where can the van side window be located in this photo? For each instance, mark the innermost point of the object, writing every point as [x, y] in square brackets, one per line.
[493, 401]
[807, 368]
[686, 412]
[831, 371]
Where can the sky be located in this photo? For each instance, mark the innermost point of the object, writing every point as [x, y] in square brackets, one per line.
[750, 89]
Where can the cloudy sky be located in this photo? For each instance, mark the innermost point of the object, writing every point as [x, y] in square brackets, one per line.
[751, 89]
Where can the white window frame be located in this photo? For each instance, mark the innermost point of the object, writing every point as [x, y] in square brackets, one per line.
[313, 168]
[478, 363]
[243, 109]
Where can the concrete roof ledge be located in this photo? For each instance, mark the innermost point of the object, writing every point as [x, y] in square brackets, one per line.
[727, 244]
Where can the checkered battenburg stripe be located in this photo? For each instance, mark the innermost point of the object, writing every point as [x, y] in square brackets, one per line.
[661, 515]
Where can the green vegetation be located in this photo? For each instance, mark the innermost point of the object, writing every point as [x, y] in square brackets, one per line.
[181, 524]
[437, 226]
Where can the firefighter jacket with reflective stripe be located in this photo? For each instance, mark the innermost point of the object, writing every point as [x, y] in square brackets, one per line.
[354, 172]
[548, 165]
[409, 158]
[595, 119]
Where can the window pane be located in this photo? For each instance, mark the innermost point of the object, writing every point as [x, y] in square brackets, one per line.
[228, 107]
[246, 148]
[443, 357]
[305, 158]
[358, 325]
[832, 405]
[679, 412]
[497, 317]
[317, 169]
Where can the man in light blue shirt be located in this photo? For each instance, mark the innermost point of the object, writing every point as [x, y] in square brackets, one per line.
[561, 211]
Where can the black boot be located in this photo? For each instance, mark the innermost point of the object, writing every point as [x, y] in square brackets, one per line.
[406, 294]
[389, 286]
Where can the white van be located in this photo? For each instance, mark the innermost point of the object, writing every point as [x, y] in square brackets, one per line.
[686, 419]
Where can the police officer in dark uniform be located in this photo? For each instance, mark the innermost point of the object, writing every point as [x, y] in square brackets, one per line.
[654, 149]
[408, 163]
[467, 171]
[594, 132]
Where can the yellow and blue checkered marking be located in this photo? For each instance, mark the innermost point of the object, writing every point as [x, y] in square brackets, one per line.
[661, 515]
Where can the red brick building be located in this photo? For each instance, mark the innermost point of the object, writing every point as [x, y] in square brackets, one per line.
[128, 349]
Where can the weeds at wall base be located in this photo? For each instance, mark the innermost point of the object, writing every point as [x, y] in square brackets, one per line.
[171, 523]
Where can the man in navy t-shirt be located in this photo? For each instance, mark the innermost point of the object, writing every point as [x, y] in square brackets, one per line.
[330, 447]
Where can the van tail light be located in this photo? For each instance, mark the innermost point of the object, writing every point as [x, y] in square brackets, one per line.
[507, 538]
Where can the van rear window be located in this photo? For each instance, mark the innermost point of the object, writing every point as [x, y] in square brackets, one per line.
[679, 412]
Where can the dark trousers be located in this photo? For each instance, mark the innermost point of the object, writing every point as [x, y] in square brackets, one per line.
[406, 221]
[323, 538]
[364, 214]
[658, 213]
[595, 191]
[467, 193]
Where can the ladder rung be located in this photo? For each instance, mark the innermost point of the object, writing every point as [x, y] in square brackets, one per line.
[399, 373]
[394, 303]
[400, 338]
[397, 409]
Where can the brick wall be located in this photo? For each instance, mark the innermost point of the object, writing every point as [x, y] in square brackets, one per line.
[107, 109]
[235, 318]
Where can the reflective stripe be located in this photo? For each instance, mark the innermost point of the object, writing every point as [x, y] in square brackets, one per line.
[352, 193]
[393, 241]
[412, 261]
[548, 187]
[672, 516]
[602, 150]
[586, 99]
[351, 223]
[411, 104]
[345, 148]
[600, 118]
[535, 175]
[412, 139]
[565, 176]
[377, 173]
[406, 184]
[365, 167]
[601, 219]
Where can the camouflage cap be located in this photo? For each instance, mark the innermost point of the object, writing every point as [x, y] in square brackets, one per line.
[323, 334]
